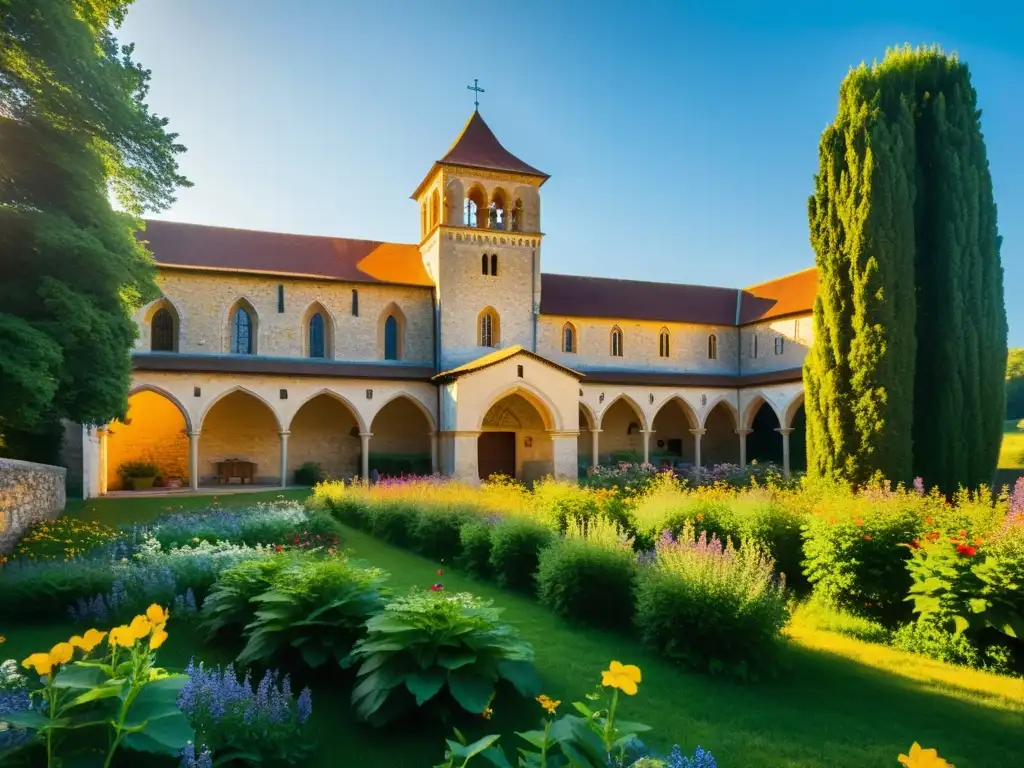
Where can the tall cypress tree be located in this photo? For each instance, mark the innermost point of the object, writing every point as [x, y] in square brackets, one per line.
[859, 374]
[906, 376]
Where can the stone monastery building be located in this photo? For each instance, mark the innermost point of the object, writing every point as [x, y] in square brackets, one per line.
[456, 354]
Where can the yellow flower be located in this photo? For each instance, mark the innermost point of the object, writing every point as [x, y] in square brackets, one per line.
[621, 676]
[548, 703]
[486, 714]
[90, 640]
[40, 662]
[62, 653]
[140, 627]
[923, 758]
[158, 638]
[121, 636]
[157, 615]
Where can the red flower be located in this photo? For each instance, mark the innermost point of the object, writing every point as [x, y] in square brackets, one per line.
[278, 547]
[963, 533]
[867, 538]
[966, 551]
[437, 588]
[296, 540]
[934, 536]
[929, 520]
[915, 544]
[858, 522]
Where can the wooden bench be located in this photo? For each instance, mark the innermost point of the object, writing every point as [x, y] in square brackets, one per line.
[231, 468]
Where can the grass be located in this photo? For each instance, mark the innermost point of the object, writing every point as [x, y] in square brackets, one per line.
[1011, 456]
[838, 702]
[126, 510]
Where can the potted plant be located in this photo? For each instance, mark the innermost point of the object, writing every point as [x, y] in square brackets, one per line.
[138, 475]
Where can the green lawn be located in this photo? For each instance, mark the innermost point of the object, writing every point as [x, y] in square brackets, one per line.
[838, 702]
[1012, 454]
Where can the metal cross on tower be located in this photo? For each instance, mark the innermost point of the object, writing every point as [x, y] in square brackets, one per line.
[476, 96]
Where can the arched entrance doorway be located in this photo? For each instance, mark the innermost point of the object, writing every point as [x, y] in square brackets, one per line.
[764, 443]
[155, 431]
[586, 445]
[622, 437]
[798, 440]
[325, 431]
[514, 439]
[719, 444]
[674, 443]
[242, 429]
[401, 443]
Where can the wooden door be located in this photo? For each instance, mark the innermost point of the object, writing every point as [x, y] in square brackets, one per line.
[496, 454]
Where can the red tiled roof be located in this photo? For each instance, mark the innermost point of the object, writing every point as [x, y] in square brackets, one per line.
[790, 295]
[478, 147]
[575, 296]
[197, 246]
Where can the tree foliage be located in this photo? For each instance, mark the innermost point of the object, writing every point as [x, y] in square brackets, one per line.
[1015, 384]
[74, 128]
[906, 374]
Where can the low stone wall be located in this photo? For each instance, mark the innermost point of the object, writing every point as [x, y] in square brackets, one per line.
[29, 494]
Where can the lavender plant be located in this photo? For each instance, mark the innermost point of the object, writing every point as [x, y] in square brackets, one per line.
[237, 720]
[265, 523]
[14, 697]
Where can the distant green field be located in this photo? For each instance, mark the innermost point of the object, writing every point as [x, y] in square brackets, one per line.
[1012, 454]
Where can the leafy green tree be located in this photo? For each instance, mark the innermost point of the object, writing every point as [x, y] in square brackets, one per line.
[906, 375]
[74, 127]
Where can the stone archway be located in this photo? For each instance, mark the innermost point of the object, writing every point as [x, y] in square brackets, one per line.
[764, 443]
[325, 431]
[514, 439]
[155, 429]
[674, 442]
[244, 427]
[622, 437]
[719, 444]
[401, 442]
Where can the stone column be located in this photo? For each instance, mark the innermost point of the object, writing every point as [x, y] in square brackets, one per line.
[103, 435]
[743, 445]
[284, 458]
[364, 448]
[785, 432]
[565, 455]
[647, 444]
[193, 460]
[697, 435]
[433, 453]
[595, 454]
[466, 457]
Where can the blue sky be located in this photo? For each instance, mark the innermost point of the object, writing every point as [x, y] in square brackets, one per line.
[681, 138]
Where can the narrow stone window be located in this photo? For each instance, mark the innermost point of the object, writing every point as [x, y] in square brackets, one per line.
[280, 298]
[780, 345]
[616, 342]
[569, 338]
[483, 264]
[494, 265]
[712, 347]
[241, 336]
[163, 336]
[355, 303]
[391, 338]
[663, 343]
[316, 335]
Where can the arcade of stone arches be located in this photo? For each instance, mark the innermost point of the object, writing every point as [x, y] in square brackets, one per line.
[343, 428]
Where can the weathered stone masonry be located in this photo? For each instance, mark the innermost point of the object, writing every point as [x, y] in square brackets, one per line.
[29, 494]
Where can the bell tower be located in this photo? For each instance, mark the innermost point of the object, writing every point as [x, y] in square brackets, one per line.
[480, 240]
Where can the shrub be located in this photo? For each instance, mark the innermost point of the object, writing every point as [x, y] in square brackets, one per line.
[515, 552]
[475, 544]
[233, 719]
[762, 518]
[438, 648]
[66, 538]
[230, 602]
[44, 590]
[346, 503]
[926, 638]
[393, 520]
[316, 606]
[436, 530]
[589, 577]
[398, 464]
[132, 469]
[273, 523]
[709, 605]
[309, 473]
[855, 554]
[560, 504]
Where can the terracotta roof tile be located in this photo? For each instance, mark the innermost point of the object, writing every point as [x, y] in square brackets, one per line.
[499, 356]
[478, 147]
[197, 246]
[790, 295]
[575, 296]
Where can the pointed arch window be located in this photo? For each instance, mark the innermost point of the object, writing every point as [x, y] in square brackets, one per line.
[616, 342]
[242, 333]
[568, 338]
[663, 343]
[317, 336]
[391, 338]
[163, 337]
[355, 303]
[489, 328]
[712, 347]
[494, 265]
[484, 264]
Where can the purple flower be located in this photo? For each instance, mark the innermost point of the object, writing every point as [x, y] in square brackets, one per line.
[919, 485]
[701, 759]
[305, 705]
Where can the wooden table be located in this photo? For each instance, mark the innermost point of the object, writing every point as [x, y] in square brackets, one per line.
[226, 470]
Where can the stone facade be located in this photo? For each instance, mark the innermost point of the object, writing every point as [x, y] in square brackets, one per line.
[779, 345]
[204, 305]
[29, 494]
